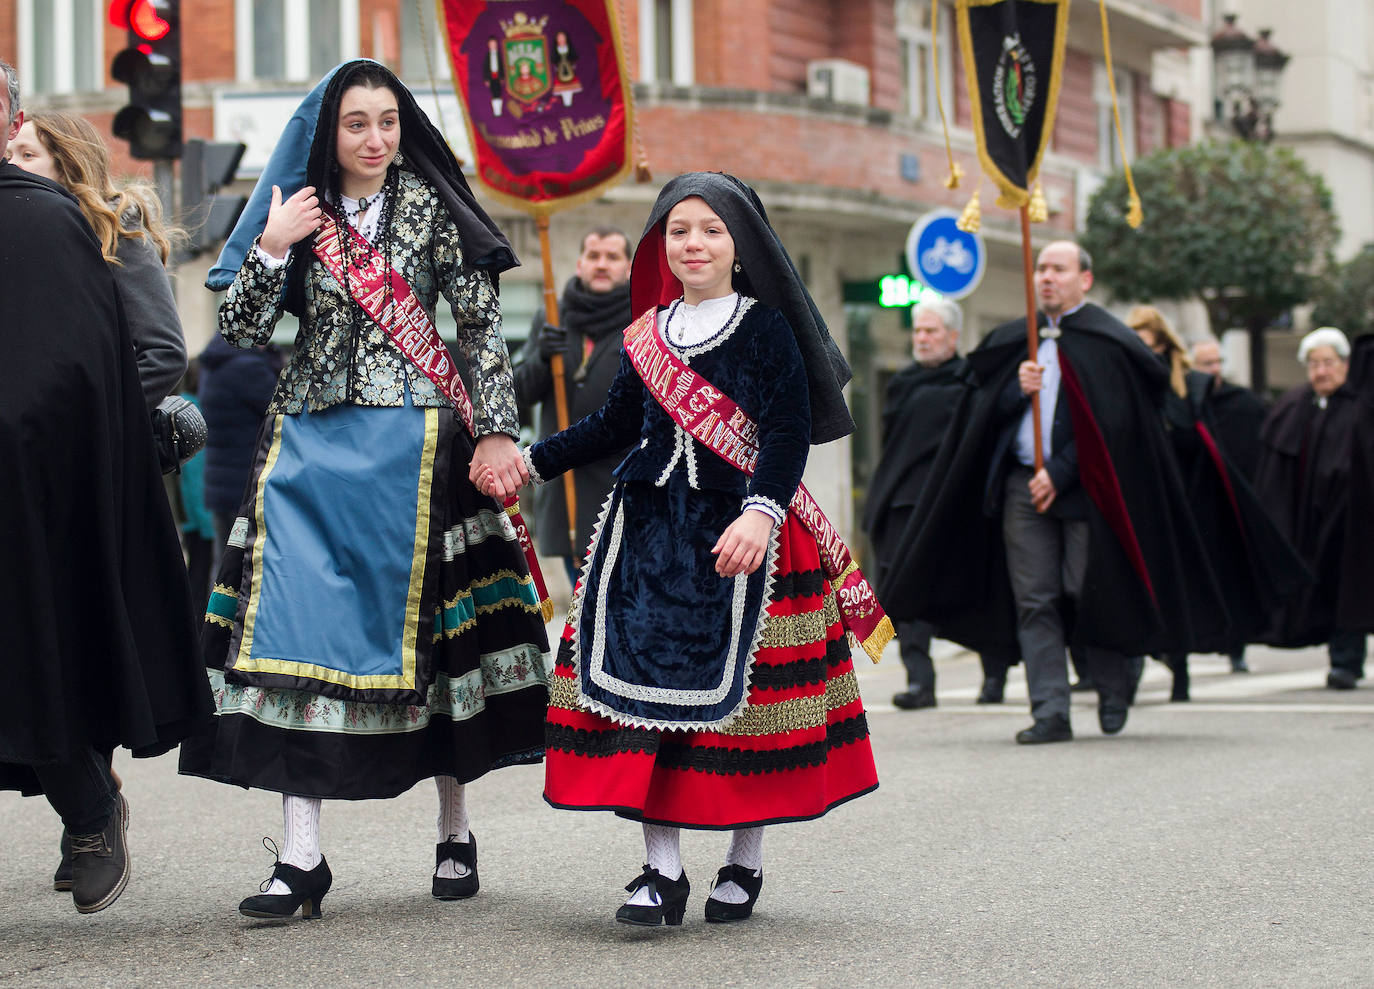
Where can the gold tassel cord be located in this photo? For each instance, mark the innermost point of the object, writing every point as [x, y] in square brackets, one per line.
[642, 173]
[1134, 214]
[972, 217]
[955, 171]
[433, 79]
[1038, 211]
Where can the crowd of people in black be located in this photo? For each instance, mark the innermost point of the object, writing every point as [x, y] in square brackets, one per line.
[1171, 513]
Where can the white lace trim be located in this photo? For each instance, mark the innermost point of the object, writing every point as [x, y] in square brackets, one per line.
[767, 505]
[664, 693]
[729, 320]
[535, 477]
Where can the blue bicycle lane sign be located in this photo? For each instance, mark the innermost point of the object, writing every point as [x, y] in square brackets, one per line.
[947, 259]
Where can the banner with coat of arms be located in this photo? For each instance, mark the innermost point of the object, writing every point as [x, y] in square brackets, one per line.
[545, 92]
[1013, 59]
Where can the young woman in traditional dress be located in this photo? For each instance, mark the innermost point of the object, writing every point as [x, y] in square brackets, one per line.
[375, 622]
[704, 679]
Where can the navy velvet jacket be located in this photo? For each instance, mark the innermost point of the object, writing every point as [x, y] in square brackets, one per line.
[756, 362]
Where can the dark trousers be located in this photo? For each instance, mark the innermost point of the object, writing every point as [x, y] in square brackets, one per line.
[1347, 651]
[81, 791]
[1046, 560]
[913, 640]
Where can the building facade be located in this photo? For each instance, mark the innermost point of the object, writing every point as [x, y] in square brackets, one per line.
[830, 108]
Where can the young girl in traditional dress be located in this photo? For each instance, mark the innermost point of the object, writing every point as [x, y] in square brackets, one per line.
[374, 623]
[704, 679]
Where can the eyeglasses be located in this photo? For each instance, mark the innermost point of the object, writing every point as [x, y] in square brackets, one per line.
[1323, 363]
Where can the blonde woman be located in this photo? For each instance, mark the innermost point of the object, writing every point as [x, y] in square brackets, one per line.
[133, 237]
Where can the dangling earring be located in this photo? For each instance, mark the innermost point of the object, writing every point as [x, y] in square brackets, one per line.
[738, 268]
[399, 160]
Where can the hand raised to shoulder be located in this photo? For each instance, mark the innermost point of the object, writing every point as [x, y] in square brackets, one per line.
[290, 220]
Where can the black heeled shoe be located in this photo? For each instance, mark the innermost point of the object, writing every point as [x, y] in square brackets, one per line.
[720, 912]
[670, 893]
[464, 853]
[307, 891]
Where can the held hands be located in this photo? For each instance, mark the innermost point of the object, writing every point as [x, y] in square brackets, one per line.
[497, 469]
[1029, 374]
[1041, 491]
[290, 221]
[744, 543]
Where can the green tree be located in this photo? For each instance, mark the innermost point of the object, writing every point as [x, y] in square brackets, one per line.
[1244, 227]
[1346, 298]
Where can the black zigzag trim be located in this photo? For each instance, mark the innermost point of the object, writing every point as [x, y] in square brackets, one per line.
[741, 762]
[798, 584]
[785, 676]
[837, 652]
[600, 744]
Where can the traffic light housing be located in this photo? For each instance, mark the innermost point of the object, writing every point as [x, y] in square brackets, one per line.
[208, 215]
[151, 68]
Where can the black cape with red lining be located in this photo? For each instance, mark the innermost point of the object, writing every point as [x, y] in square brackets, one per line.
[1148, 587]
[100, 644]
[1255, 566]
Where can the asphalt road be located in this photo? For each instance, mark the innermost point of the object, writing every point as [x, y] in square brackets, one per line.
[1222, 842]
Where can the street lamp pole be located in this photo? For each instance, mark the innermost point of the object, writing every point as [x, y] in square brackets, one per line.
[1247, 74]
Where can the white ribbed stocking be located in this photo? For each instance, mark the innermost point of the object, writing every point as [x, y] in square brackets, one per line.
[662, 850]
[746, 849]
[301, 817]
[453, 823]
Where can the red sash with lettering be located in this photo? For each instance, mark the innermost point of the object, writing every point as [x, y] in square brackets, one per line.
[409, 326]
[710, 416]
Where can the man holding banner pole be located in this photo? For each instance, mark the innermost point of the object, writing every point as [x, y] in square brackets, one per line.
[593, 313]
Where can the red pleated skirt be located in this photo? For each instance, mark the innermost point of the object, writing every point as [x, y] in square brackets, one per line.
[799, 748]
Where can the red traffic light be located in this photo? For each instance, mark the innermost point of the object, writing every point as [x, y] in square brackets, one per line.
[150, 20]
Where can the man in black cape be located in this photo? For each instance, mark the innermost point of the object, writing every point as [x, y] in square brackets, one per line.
[919, 404]
[1305, 479]
[1097, 549]
[98, 644]
[593, 313]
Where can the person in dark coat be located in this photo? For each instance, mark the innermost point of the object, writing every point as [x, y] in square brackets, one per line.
[99, 642]
[1355, 609]
[236, 386]
[594, 311]
[1097, 548]
[1255, 566]
[918, 407]
[1235, 415]
[1304, 478]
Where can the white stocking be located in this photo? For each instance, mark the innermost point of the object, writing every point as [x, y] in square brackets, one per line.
[453, 823]
[664, 854]
[746, 849]
[301, 816]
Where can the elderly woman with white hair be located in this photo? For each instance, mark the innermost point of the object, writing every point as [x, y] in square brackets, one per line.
[1304, 477]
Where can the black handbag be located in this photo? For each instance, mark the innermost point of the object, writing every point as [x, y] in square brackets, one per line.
[179, 431]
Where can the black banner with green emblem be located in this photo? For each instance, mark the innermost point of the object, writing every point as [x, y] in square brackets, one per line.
[1013, 61]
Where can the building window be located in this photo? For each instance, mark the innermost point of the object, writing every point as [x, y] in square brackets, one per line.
[420, 25]
[261, 28]
[916, 55]
[60, 45]
[1108, 150]
[666, 50]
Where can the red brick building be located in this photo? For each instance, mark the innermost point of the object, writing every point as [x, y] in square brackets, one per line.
[828, 107]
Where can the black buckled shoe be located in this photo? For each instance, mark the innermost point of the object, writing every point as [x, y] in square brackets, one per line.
[464, 853]
[670, 893]
[720, 912]
[62, 878]
[100, 862]
[307, 891]
[1052, 729]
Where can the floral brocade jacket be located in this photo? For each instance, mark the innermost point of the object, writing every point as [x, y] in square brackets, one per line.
[343, 357]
